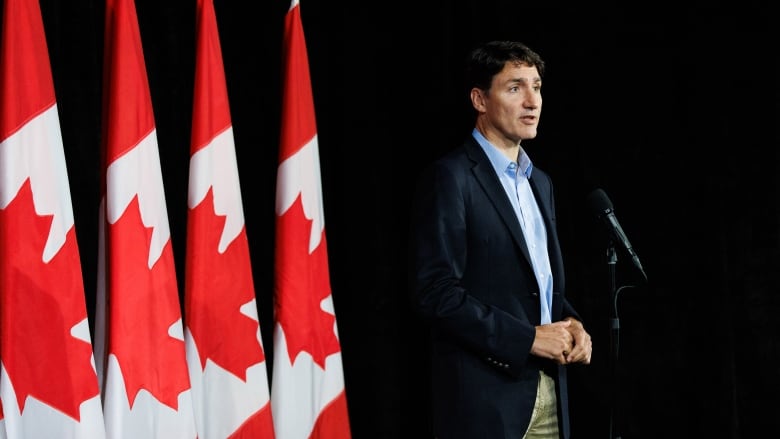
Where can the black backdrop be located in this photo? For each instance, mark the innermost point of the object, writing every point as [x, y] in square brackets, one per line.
[672, 109]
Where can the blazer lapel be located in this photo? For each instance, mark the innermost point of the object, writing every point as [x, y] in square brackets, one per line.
[486, 176]
[542, 196]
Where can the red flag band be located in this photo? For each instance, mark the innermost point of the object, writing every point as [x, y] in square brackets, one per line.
[139, 330]
[222, 331]
[48, 384]
[307, 392]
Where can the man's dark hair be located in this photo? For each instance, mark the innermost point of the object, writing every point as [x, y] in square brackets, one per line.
[487, 60]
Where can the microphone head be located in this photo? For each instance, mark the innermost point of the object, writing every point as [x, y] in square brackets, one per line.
[598, 202]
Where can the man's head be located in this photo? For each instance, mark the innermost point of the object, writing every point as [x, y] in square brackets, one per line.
[505, 80]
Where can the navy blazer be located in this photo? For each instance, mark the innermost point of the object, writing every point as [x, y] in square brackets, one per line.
[473, 282]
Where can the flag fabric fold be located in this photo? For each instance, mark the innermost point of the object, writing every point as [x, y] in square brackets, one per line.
[308, 395]
[139, 331]
[48, 383]
[225, 353]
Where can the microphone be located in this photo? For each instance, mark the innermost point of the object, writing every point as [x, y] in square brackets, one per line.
[601, 206]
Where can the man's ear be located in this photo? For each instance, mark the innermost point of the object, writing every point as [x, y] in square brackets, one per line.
[478, 99]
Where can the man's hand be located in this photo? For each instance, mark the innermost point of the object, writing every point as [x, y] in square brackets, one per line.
[564, 342]
[554, 341]
[582, 348]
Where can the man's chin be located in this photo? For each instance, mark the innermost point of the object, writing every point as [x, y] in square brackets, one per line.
[528, 134]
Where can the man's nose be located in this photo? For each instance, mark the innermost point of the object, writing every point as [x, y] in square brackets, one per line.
[533, 100]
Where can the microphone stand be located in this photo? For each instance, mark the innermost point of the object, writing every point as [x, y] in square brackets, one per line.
[614, 335]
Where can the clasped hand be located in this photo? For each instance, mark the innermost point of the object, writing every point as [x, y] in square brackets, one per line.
[564, 342]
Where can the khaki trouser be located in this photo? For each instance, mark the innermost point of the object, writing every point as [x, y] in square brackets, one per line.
[544, 420]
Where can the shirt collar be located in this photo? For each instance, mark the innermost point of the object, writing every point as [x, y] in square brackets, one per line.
[499, 161]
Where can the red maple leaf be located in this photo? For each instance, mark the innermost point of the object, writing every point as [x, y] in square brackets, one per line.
[302, 283]
[217, 286]
[143, 304]
[41, 303]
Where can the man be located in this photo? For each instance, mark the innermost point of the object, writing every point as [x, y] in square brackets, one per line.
[486, 267]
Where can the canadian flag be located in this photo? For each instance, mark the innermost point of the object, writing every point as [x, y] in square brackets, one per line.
[139, 332]
[48, 384]
[307, 390]
[222, 331]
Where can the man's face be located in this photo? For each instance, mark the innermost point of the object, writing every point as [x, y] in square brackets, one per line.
[513, 104]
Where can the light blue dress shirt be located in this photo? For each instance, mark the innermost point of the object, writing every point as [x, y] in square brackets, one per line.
[514, 177]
